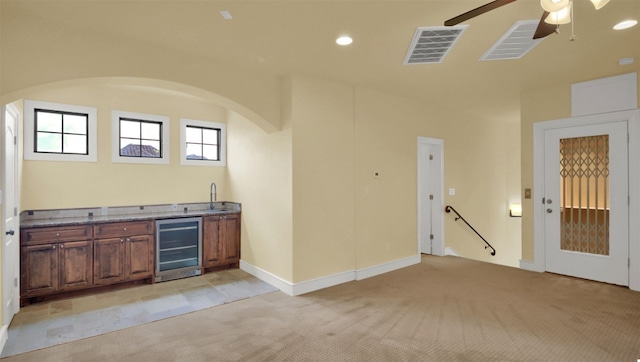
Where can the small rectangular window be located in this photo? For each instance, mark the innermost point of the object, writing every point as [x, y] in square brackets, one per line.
[202, 143]
[140, 138]
[59, 132]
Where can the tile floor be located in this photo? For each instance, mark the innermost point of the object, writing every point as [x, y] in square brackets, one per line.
[49, 323]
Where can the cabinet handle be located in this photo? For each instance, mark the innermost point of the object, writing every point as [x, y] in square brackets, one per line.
[125, 229]
[121, 239]
[53, 246]
[61, 246]
[57, 235]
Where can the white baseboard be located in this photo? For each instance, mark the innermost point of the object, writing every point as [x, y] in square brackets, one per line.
[323, 282]
[387, 267]
[529, 265]
[450, 251]
[4, 335]
[267, 277]
[308, 286]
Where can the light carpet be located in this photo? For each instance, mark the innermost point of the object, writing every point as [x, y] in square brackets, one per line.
[444, 309]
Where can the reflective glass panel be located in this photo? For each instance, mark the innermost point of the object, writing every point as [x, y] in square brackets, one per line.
[584, 194]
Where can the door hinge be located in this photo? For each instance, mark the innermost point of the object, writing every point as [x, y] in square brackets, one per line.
[431, 237]
[430, 197]
[15, 282]
[430, 157]
[15, 140]
[15, 211]
[628, 262]
[543, 200]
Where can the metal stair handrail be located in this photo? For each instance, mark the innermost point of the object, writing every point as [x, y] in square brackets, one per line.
[450, 208]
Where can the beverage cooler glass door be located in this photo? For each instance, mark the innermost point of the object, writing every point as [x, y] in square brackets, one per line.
[179, 244]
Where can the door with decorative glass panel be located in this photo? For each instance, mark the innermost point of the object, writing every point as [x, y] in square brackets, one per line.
[586, 202]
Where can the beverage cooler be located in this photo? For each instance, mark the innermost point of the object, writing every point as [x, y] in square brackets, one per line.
[178, 248]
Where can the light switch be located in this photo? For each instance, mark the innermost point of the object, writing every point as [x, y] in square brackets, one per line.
[452, 191]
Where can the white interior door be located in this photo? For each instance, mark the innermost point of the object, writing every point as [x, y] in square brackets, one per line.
[10, 227]
[430, 202]
[586, 193]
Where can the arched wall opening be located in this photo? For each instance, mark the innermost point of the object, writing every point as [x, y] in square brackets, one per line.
[257, 174]
[157, 86]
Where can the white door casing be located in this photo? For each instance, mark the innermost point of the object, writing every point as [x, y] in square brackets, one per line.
[11, 224]
[601, 265]
[539, 209]
[430, 196]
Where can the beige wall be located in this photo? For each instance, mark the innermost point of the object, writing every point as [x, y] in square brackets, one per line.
[476, 164]
[380, 131]
[323, 178]
[48, 185]
[387, 130]
[484, 158]
[311, 205]
[260, 177]
[110, 55]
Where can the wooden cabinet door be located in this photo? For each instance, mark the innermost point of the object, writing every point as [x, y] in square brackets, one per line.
[230, 236]
[109, 261]
[39, 270]
[211, 250]
[76, 264]
[139, 257]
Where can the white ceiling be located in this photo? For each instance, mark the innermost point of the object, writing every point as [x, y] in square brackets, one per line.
[298, 36]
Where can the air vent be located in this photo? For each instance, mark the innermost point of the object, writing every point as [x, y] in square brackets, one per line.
[515, 43]
[431, 44]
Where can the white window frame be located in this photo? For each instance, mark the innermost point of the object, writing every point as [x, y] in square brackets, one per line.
[207, 124]
[29, 132]
[115, 138]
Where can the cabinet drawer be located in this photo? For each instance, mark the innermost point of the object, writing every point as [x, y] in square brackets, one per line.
[120, 229]
[55, 234]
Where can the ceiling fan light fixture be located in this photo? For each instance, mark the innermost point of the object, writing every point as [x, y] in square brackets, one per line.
[599, 4]
[562, 16]
[554, 5]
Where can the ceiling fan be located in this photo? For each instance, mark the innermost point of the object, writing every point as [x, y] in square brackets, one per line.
[556, 12]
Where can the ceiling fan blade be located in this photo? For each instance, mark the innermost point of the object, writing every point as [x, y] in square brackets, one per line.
[477, 11]
[543, 28]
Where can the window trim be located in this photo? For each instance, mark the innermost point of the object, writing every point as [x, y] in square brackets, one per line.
[184, 122]
[115, 138]
[30, 107]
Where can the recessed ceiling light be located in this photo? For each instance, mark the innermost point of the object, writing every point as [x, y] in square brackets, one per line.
[625, 24]
[226, 15]
[344, 40]
[626, 61]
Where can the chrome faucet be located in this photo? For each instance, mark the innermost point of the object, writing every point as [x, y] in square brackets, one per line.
[213, 194]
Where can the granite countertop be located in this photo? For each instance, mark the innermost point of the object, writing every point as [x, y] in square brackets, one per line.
[81, 216]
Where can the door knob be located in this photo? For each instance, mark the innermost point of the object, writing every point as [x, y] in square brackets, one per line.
[549, 211]
[10, 232]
